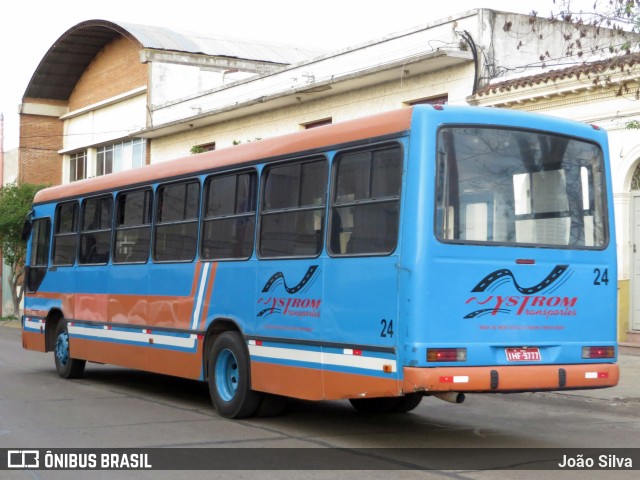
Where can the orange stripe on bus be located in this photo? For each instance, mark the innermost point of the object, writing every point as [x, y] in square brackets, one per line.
[157, 360]
[315, 384]
[509, 378]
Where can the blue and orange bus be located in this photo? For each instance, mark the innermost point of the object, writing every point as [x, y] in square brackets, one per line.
[425, 251]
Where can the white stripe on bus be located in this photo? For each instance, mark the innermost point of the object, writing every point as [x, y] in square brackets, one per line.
[306, 356]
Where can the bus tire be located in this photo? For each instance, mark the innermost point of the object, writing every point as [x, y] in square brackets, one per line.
[408, 402]
[272, 405]
[384, 405]
[66, 366]
[229, 378]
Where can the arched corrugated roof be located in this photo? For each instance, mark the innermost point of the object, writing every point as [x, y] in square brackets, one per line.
[70, 55]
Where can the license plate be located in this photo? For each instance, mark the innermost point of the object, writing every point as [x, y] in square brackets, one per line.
[523, 354]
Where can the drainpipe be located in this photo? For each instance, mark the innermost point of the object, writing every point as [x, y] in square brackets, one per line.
[474, 50]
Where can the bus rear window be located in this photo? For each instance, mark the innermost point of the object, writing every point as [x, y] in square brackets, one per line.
[519, 187]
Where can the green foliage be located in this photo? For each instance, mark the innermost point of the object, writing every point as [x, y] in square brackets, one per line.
[15, 203]
[196, 149]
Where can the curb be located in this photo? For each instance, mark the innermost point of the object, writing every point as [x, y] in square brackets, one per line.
[10, 323]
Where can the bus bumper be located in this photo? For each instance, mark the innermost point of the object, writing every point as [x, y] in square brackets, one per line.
[521, 378]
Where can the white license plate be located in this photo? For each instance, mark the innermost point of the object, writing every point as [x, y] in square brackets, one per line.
[523, 354]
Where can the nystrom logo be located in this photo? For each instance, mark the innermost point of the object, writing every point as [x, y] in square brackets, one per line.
[538, 300]
[299, 306]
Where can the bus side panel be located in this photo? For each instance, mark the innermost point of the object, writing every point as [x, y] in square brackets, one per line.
[152, 317]
[361, 319]
[319, 332]
[33, 334]
[229, 295]
[285, 347]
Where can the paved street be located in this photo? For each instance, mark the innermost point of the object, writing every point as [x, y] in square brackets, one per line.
[112, 407]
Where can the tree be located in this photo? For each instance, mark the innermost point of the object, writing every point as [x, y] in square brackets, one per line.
[611, 23]
[15, 203]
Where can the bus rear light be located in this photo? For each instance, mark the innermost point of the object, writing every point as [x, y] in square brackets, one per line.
[598, 352]
[525, 261]
[446, 354]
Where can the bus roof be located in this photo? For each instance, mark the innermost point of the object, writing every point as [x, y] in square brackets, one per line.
[340, 133]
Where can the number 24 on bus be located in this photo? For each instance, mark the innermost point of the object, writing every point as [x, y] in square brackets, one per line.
[429, 251]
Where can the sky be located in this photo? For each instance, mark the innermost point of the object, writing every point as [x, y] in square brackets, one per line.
[30, 27]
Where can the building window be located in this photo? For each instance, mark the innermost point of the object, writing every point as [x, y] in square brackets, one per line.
[120, 156]
[78, 166]
[438, 100]
[635, 180]
[205, 147]
[317, 123]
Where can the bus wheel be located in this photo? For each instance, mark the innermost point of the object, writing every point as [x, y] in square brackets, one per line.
[272, 405]
[409, 402]
[384, 405]
[229, 383]
[66, 366]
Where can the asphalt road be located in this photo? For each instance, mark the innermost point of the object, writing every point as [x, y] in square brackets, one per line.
[112, 407]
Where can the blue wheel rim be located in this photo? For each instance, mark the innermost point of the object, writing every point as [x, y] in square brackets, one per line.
[62, 348]
[227, 375]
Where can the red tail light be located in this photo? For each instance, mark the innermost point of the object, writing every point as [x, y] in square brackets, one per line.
[446, 354]
[598, 352]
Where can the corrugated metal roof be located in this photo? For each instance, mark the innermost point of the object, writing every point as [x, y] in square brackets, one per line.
[166, 39]
[67, 59]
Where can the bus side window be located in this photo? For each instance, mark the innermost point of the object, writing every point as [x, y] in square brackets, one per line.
[65, 238]
[229, 216]
[176, 230]
[293, 204]
[39, 259]
[133, 227]
[365, 203]
[95, 230]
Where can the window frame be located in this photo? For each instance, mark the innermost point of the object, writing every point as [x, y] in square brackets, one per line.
[262, 212]
[35, 272]
[254, 196]
[606, 224]
[117, 228]
[156, 224]
[57, 235]
[331, 204]
[75, 159]
[82, 232]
